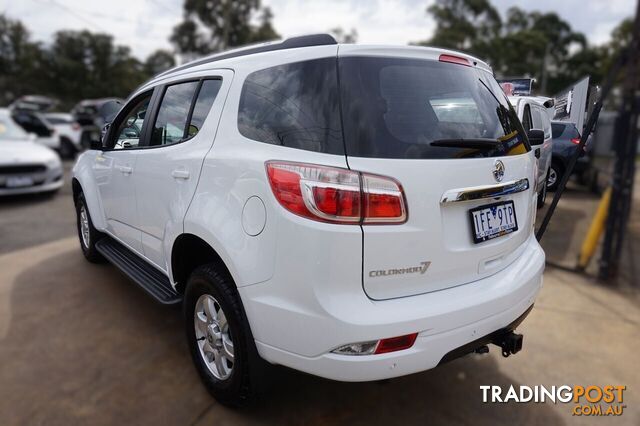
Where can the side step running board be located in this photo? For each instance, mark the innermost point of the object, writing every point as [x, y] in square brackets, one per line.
[154, 282]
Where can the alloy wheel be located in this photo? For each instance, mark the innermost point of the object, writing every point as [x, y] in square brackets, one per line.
[213, 337]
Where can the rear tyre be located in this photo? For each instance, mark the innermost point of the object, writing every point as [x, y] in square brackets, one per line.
[555, 175]
[67, 149]
[87, 233]
[219, 337]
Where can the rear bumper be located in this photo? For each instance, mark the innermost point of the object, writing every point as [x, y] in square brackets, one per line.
[445, 320]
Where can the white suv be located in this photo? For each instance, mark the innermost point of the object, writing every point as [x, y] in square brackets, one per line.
[353, 212]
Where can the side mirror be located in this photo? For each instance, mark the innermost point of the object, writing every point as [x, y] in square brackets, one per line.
[536, 137]
[96, 145]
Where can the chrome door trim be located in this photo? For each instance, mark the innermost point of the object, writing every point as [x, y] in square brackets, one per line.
[485, 191]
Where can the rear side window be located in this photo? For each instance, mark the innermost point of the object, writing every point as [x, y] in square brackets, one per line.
[179, 118]
[207, 94]
[422, 109]
[294, 105]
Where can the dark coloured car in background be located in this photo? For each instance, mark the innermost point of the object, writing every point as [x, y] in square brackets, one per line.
[566, 138]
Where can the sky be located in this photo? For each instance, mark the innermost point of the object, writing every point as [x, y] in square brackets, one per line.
[145, 25]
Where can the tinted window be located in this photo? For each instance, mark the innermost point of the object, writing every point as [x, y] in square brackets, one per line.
[207, 94]
[129, 130]
[527, 121]
[409, 108]
[31, 123]
[557, 129]
[171, 123]
[58, 120]
[293, 105]
[537, 119]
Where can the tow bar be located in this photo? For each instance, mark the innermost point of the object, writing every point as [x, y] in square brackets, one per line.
[510, 342]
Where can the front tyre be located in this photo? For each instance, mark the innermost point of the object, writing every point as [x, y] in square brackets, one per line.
[87, 233]
[219, 337]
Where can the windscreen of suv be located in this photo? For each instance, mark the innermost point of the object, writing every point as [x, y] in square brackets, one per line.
[294, 105]
[422, 109]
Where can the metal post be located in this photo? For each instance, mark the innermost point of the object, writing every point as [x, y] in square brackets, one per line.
[626, 145]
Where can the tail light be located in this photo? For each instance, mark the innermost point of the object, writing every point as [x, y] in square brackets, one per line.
[576, 141]
[335, 195]
[75, 126]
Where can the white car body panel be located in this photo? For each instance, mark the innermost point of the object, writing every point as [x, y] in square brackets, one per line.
[164, 193]
[544, 161]
[113, 171]
[307, 277]
[67, 129]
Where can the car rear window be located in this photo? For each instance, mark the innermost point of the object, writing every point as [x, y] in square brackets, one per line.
[425, 109]
[294, 105]
[557, 129]
[569, 129]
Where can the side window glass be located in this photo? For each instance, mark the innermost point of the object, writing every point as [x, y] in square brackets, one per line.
[537, 119]
[526, 120]
[171, 123]
[129, 130]
[207, 94]
[293, 105]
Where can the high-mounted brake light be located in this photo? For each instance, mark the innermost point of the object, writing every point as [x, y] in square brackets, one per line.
[335, 195]
[454, 59]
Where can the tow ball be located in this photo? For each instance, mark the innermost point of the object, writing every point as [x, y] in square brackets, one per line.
[511, 343]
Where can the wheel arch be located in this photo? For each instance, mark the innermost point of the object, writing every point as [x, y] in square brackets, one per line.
[83, 182]
[188, 253]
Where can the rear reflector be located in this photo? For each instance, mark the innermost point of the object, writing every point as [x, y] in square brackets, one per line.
[396, 343]
[454, 59]
[375, 347]
[335, 195]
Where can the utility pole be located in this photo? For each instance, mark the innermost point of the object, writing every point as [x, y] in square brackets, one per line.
[626, 146]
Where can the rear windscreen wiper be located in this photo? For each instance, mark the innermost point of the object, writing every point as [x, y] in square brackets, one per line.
[467, 143]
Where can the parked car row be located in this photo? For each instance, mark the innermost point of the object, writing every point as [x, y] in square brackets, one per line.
[66, 133]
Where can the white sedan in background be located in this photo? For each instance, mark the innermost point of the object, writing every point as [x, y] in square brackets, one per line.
[25, 166]
[69, 132]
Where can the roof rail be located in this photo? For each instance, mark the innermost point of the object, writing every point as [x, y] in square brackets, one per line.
[290, 43]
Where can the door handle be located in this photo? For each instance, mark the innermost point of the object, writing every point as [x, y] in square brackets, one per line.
[125, 170]
[537, 152]
[181, 174]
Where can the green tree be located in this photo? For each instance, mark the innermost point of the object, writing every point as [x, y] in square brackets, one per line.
[23, 68]
[463, 24]
[89, 65]
[159, 61]
[534, 44]
[215, 25]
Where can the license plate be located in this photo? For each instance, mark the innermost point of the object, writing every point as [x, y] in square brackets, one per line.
[493, 221]
[19, 182]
